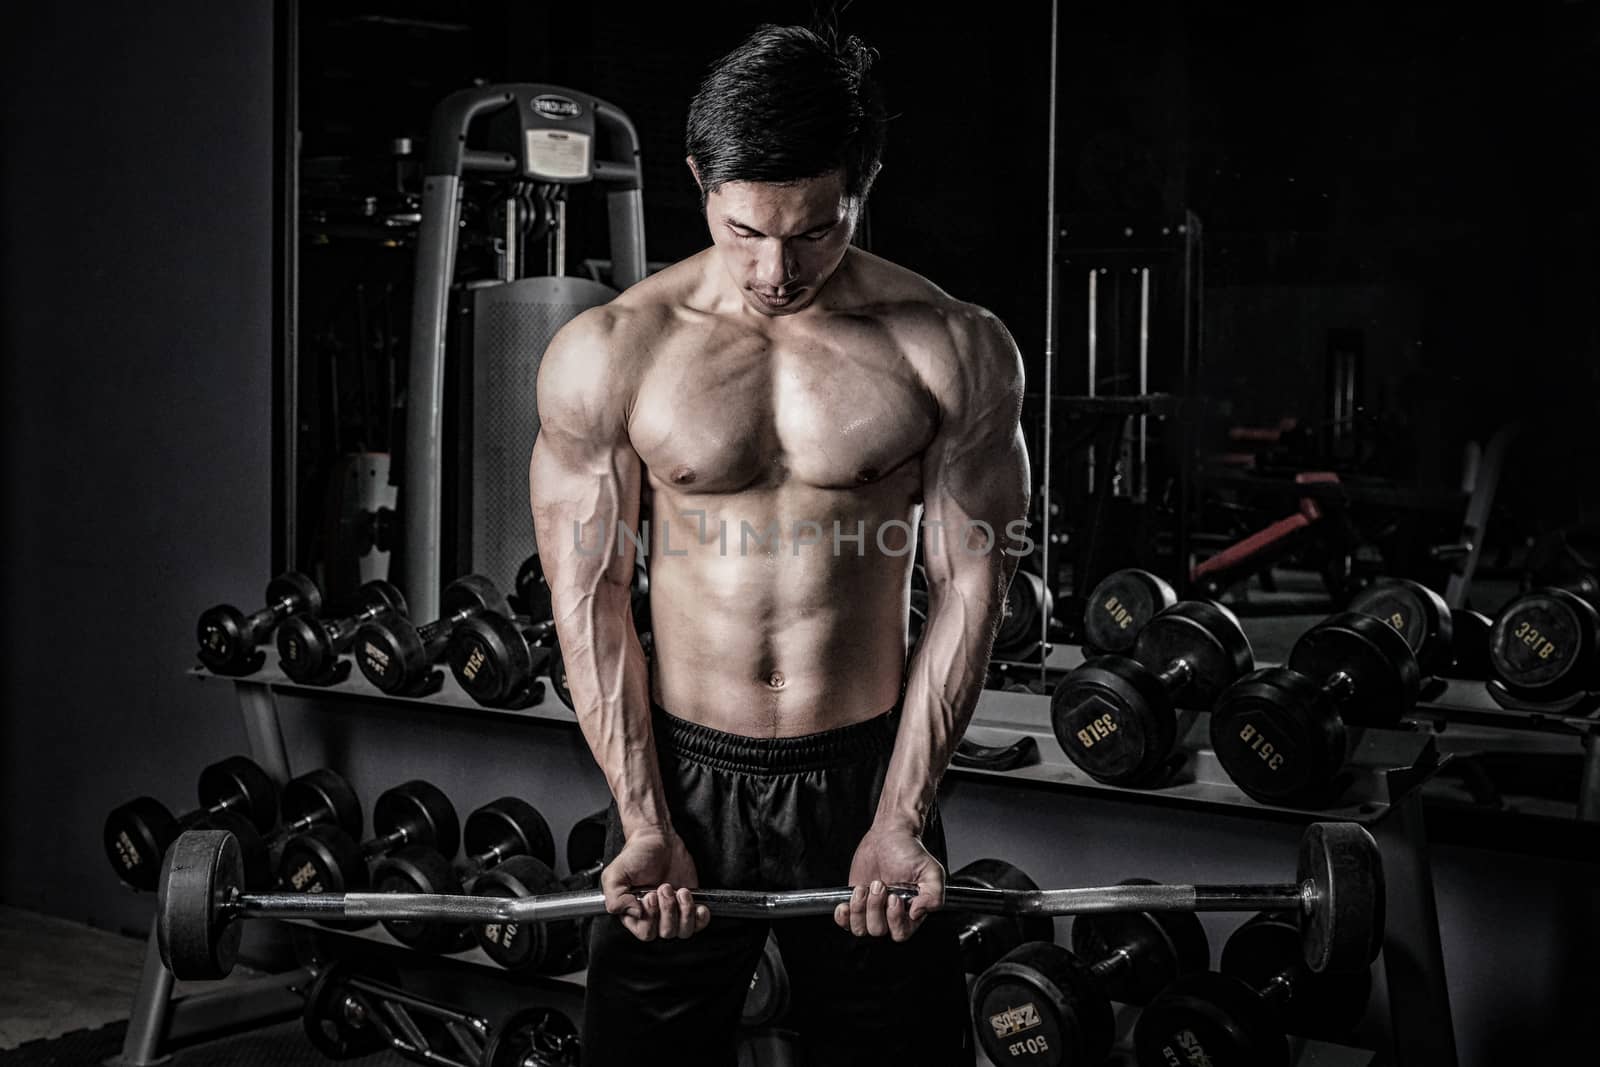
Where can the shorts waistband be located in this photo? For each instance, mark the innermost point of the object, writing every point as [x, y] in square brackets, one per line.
[720, 750]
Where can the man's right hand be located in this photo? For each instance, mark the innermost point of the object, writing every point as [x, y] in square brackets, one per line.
[658, 858]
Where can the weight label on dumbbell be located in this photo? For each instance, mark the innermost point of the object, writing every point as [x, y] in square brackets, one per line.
[375, 658]
[128, 852]
[1542, 646]
[1120, 616]
[304, 878]
[1097, 731]
[1015, 1020]
[1188, 1053]
[1271, 755]
[474, 664]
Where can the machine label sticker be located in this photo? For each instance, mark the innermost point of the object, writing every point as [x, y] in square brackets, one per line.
[557, 107]
[558, 155]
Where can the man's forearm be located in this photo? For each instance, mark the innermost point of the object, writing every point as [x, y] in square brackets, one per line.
[944, 679]
[610, 686]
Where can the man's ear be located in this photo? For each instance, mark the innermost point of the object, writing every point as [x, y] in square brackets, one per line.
[695, 170]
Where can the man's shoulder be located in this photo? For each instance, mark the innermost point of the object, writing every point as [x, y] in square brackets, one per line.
[906, 299]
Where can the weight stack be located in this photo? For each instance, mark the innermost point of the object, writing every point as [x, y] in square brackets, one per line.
[512, 325]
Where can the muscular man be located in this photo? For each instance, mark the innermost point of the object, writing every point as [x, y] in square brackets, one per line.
[798, 407]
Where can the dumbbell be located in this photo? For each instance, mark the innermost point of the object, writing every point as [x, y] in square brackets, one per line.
[309, 648]
[985, 938]
[501, 832]
[1280, 733]
[1028, 603]
[398, 657]
[326, 859]
[1446, 643]
[1120, 605]
[317, 798]
[1545, 646]
[497, 659]
[1242, 1016]
[530, 592]
[229, 638]
[137, 833]
[1045, 1005]
[535, 946]
[1116, 717]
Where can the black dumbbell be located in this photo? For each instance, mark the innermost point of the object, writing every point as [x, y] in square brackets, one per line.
[1281, 733]
[554, 947]
[1242, 1016]
[530, 592]
[502, 832]
[325, 859]
[497, 659]
[137, 833]
[1027, 605]
[1447, 642]
[767, 1001]
[1545, 646]
[985, 938]
[1119, 606]
[398, 656]
[1045, 1006]
[1117, 717]
[229, 639]
[309, 649]
[317, 798]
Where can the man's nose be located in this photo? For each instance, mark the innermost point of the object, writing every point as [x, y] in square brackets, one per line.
[776, 263]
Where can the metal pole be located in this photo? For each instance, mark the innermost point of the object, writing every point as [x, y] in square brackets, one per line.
[1049, 336]
[147, 1020]
[1144, 373]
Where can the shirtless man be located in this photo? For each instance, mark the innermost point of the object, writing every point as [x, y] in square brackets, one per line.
[798, 407]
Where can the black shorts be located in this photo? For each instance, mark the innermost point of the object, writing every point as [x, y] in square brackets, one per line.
[773, 814]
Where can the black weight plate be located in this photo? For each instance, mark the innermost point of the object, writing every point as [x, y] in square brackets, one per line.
[1418, 614]
[489, 658]
[225, 647]
[558, 676]
[239, 782]
[1204, 635]
[1543, 644]
[1027, 605]
[586, 842]
[1041, 1005]
[1156, 948]
[1382, 671]
[255, 857]
[381, 596]
[322, 796]
[532, 590]
[202, 871]
[136, 836]
[390, 653]
[767, 1001]
[338, 1013]
[985, 938]
[1278, 737]
[1267, 948]
[509, 827]
[324, 859]
[416, 869]
[471, 594]
[300, 591]
[305, 651]
[1117, 609]
[519, 946]
[422, 811]
[1213, 1020]
[534, 1037]
[1114, 720]
[1344, 931]
[1469, 646]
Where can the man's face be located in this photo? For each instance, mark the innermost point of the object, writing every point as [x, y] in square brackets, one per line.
[781, 243]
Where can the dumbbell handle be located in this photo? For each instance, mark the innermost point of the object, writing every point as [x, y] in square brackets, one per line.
[299, 826]
[434, 634]
[1339, 687]
[1176, 675]
[269, 616]
[340, 631]
[386, 843]
[741, 904]
[1120, 960]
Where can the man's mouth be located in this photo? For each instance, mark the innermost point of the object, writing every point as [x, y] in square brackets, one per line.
[777, 300]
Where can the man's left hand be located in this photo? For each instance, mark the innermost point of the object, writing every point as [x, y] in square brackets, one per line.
[890, 857]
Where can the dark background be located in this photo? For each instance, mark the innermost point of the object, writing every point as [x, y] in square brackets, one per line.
[1421, 172]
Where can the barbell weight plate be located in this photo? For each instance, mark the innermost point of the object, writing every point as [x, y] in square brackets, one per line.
[1372, 655]
[768, 999]
[241, 776]
[337, 1017]
[1418, 614]
[422, 809]
[534, 1037]
[254, 854]
[1344, 929]
[1161, 947]
[513, 827]
[136, 836]
[1325, 1005]
[1209, 1018]
[202, 870]
[1208, 637]
[1119, 606]
[1544, 644]
[1114, 720]
[1041, 1007]
[1279, 738]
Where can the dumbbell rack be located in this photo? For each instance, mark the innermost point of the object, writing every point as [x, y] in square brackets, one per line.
[1388, 767]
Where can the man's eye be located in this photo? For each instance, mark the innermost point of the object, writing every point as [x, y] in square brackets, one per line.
[818, 235]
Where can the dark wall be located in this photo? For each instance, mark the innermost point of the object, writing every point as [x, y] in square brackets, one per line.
[136, 287]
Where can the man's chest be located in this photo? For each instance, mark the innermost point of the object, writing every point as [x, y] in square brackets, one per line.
[721, 415]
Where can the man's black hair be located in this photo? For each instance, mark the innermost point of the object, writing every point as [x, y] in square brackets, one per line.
[785, 105]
